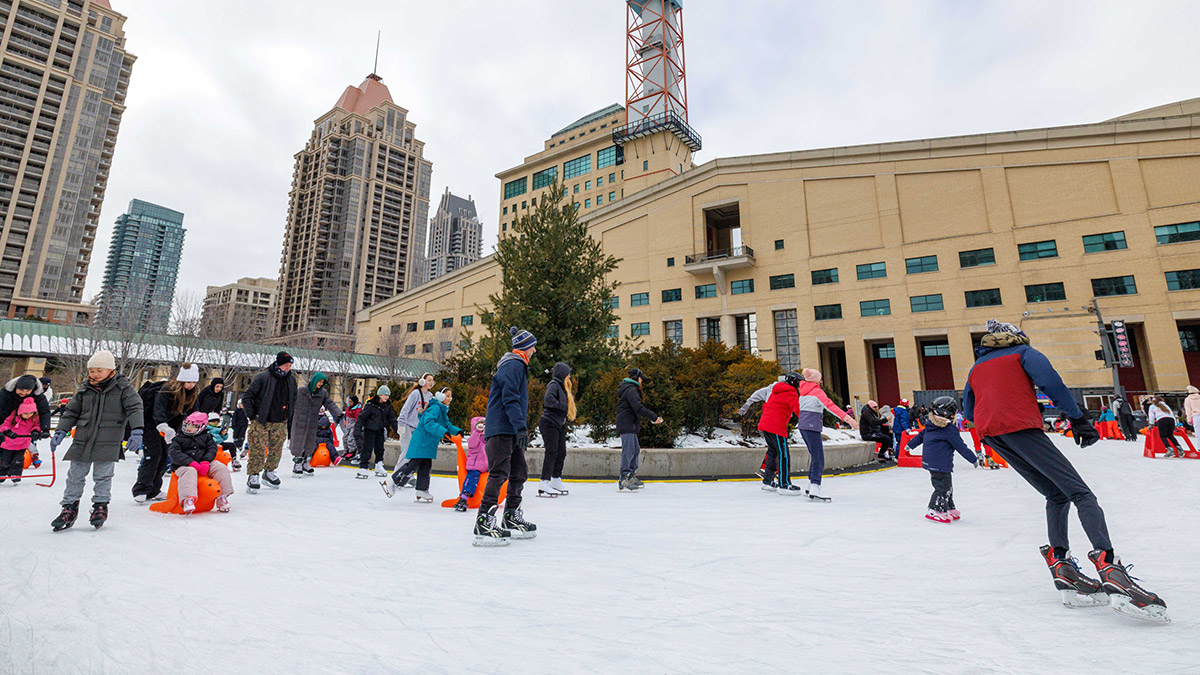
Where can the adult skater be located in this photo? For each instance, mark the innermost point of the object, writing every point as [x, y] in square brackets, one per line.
[1125, 418]
[173, 401]
[999, 398]
[871, 429]
[630, 412]
[1191, 409]
[268, 403]
[240, 423]
[506, 435]
[812, 399]
[1163, 418]
[303, 434]
[558, 407]
[211, 398]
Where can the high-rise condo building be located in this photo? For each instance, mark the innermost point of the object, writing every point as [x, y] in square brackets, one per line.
[142, 267]
[455, 236]
[241, 311]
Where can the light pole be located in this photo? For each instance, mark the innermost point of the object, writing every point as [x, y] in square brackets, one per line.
[1114, 346]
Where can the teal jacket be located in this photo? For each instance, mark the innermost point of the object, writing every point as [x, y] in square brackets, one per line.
[434, 424]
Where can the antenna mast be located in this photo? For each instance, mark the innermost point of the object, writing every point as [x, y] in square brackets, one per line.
[375, 68]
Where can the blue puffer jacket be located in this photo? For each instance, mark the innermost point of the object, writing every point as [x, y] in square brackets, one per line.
[435, 423]
[901, 424]
[508, 399]
[940, 444]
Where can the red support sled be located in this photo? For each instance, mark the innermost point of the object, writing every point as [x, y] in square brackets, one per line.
[903, 456]
[53, 475]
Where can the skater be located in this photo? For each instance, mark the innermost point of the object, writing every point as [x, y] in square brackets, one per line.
[349, 447]
[941, 439]
[325, 425]
[558, 408]
[423, 448]
[17, 431]
[99, 412]
[212, 398]
[630, 412]
[506, 436]
[410, 415]
[1125, 419]
[240, 424]
[999, 398]
[371, 430]
[871, 430]
[476, 464]
[901, 422]
[309, 401]
[1191, 409]
[1162, 417]
[782, 403]
[268, 403]
[173, 401]
[761, 396]
[194, 455]
[20, 389]
[218, 436]
[808, 423]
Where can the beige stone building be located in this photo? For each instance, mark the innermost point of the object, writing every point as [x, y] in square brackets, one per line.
[241, 311]
[880, 264]
[62, 95]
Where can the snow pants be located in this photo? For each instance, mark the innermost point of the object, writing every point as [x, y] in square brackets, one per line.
[942, 499]
[470, 483]
[216, 470]
[556, 449]
[506, 462]
[102, 475]
[779, 459]
[12, 463]
[1044, 467]
[631, 450]
[266, 445]
[153, 465]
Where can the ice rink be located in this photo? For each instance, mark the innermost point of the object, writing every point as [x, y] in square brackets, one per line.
[327, 575]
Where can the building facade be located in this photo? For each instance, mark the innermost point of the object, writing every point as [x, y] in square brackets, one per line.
[241, 312]
[64, 76]
[142, 268]
[880, 264]
[455, 236]
[357, 214]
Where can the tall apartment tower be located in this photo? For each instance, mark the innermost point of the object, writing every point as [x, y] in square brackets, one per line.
[62, 93]
[239, 312]
[455, 236]
[143, 265]
[356, 222]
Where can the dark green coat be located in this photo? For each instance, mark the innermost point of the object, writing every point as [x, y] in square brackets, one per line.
[100, 416]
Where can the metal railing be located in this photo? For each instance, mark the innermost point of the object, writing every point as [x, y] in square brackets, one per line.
[669, 120]
[736, 252]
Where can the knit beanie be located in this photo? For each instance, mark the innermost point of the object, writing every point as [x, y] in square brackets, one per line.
[102, 359]
[522, 339]
[188, 372]
[217, 380]
[27, 406]
[282, 358]
[383, 391]
[26, 382]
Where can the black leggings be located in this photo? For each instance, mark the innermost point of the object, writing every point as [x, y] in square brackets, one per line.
[153, 464]
[556, 449]
[1166, 431]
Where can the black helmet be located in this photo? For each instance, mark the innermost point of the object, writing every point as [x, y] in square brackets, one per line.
[944, 406]
[793, 378]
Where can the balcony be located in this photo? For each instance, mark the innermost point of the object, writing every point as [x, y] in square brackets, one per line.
[723, 259]
[664, 121]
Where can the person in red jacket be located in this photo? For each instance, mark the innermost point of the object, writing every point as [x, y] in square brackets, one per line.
[799, 395]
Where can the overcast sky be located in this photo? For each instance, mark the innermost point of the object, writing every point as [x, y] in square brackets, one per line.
[224, 92]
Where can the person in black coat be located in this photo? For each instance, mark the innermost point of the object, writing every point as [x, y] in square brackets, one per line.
[376, 418]
[211, 398]
[630, 412]
[240, 423]
[173, 401]
[193, 453]
[268, 403]
[558, 406]
[20, 388]
[872, 429]
[1125, 419]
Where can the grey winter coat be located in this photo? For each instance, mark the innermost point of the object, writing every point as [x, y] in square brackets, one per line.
[100, 415]
[304, 415]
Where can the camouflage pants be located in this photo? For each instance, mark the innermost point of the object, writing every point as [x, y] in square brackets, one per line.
[266, 445]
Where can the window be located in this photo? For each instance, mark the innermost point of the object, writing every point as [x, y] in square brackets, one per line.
[926, 303]
[587, 203]
[826, 312]
[885, 350]
[429, 325]
[612, 197]
[670, 262]
[514, 188]
[577, 167]
[672, 295]
[599, 200]
[505, 211]
[504, 227]
[640, 329]
[410, 349]
[989, 297]
[1183, 280]
[926, 263]
[646, 165]
[829, 276]
[613, 302]
[1109, 241]
[587, 185]
[787, 340]
[1037, 250]
[412, 327]
[1114, 286]
[977, 257]
[467, 320]
[941, 348]
[872, 271]
[448, 323]
[674, 331]
[639, 299]
[611, 333]
[612, 177]
[706, 291]
[599, 181]
[447, 346]
[545, 177]
[427, 348]
[577, 188]
[783, 281]
[609, 156]
[741, 286]
[778, 244]
[710, 329]
[1045, 292]
[1177, 234]
[523, 205]
[875, 307]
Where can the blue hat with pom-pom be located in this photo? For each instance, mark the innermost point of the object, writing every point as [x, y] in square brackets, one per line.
[522, 339]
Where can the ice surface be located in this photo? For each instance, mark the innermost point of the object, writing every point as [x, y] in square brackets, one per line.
[327, 575]
[720, 438]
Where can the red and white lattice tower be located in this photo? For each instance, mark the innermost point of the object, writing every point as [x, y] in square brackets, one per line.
[655, 73]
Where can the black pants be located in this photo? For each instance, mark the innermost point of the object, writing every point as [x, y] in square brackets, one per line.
[883, 439]
[1044, 467]
[506, 462]
[556, 449]
[942, 499]
[372, 448]
[153, 464]
[779, 459]
[12, 463]
[422, 467]
[1166, 432]
[1128, 427]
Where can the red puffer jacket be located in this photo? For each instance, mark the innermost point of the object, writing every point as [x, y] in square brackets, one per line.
[783, 402]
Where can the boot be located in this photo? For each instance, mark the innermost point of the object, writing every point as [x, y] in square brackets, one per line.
[487, 531]
[297, 466]
[461, 505]
[544, 489]
[188, 505]
[307, 468]
[99, 514]
[1078, 590]
[67, 518]
[271, 479]
[557, 484]
[1125, 595]
[222, 504]
[518, 527]
[380, 472]
[252, 484]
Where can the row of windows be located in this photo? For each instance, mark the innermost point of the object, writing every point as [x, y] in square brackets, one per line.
[446, 323]
[427, 348]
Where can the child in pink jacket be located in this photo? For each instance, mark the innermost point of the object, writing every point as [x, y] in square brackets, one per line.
[477, 463]
[15, 431]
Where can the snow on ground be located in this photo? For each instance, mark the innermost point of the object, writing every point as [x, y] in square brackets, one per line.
[721, 438]
[327, 575]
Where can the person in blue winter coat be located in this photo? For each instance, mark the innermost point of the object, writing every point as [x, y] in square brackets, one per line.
[941, 440]
[423, 446]
[902, 423]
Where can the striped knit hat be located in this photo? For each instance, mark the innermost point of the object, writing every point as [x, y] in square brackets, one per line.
[522, 339]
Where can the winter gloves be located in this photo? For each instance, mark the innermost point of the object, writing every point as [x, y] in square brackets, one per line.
[200, 467]
[167, 432]
[1083, 432]
[35, 435]
[57, 440]
[134, 444]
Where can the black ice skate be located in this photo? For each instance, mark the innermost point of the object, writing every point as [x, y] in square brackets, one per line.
[487, 531]
[461, 505]
[517, 526]
[1125, 595]
[67, 518]
[298, 467]
[99, 514]
[1077, 589]
[252, 484]
[271, 479]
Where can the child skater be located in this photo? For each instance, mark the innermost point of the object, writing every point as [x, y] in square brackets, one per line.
[476, 463]
[214, 430]
[17, 430]
[941, 440]
[193, 453]
[423, 447]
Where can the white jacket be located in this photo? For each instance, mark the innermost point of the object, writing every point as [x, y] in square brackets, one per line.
[1156, 414]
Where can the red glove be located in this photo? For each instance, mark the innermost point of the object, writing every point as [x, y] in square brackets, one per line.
[196, 466]
[202, 468]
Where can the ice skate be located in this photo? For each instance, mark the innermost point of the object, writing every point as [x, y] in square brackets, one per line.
[271, 479]
[938, 516]
[380, 472]
[16, 481]
[389, 488]
[814, 493]
[67, 518]
[252, 484]
[517, 526]
[1077, 589]
[461, 505]
[222, 504]
[363, 474]
[307, 468]
[99, 514]
[157, 497]
[769, 485]
[487, 532]
[424, 497]
[557, 484]
[636, 482]
[235, 464]
[544, 490]
[1125, 596]
[789, 490]
[625, 485]
[297, 468]
[188, 505]
[141, 499]
[954, 514]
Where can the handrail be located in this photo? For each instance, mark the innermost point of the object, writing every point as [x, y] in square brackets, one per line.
[670, 120]
[735, 252]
